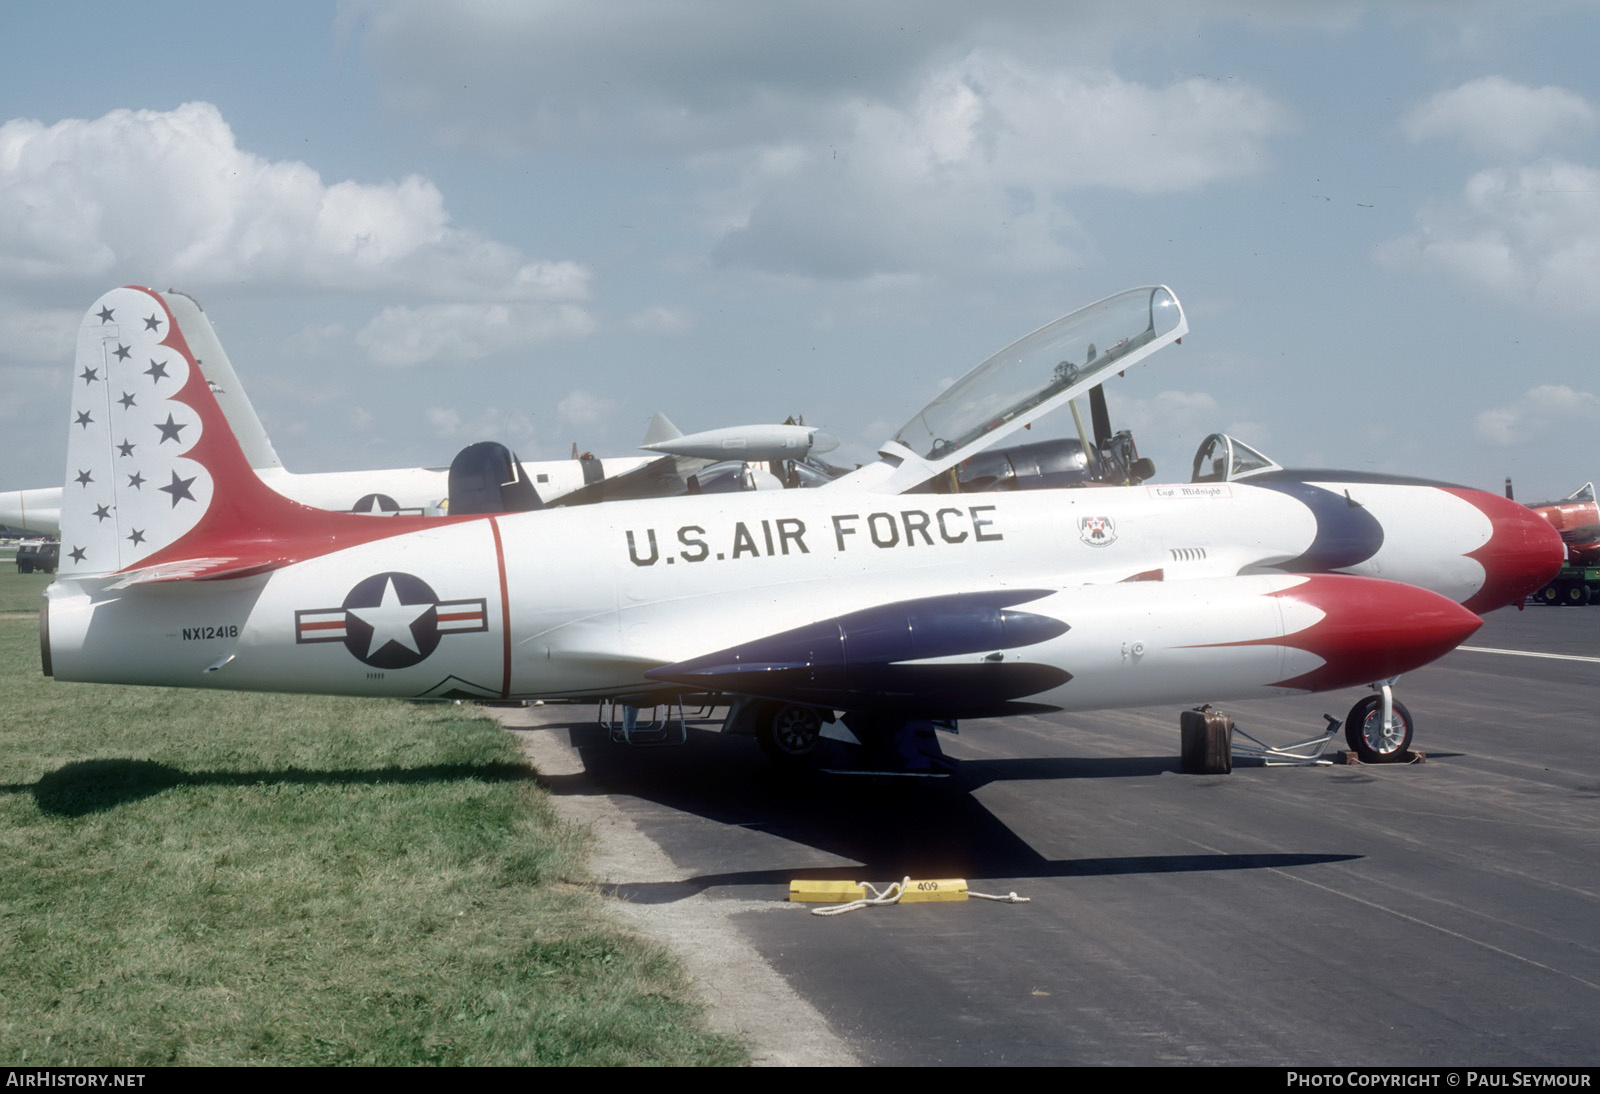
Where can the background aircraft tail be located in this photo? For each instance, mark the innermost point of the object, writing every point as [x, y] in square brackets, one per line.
[225, 385]
[660, 429]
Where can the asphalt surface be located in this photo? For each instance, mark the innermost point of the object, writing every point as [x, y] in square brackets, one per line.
[1446, 912]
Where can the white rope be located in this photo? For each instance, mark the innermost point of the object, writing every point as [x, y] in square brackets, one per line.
[1009, 898]
[891, 894]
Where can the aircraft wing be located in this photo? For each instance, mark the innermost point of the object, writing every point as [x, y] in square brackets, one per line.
[666, 477]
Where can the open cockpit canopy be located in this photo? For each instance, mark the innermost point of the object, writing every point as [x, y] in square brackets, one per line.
[1029, 378]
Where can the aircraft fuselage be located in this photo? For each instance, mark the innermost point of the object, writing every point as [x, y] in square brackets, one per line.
[582, 602]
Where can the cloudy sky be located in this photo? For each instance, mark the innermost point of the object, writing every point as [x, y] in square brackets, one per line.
[539, 221]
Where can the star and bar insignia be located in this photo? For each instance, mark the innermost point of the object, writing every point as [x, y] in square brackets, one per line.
[391, 620]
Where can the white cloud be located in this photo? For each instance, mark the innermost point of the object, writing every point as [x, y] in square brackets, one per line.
[454, 333]
[974, 169]
[699, 75]
[1495, 117]
[842, 142]
[662, 320]
[444, 421]
[512, 428]
[1530, 235]
[319, 340]
[1167, 413]
[43, 334]
[581, 409]
[32, 392]
[1539, 412]
[168, 197]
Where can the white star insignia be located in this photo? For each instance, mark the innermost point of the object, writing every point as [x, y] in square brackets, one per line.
[391, 620]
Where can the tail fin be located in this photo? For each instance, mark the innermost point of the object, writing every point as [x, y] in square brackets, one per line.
[157, 486]
[660, 429]
[225, 385]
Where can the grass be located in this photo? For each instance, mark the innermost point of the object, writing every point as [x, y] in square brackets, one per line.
[210, 878]
[21, 592]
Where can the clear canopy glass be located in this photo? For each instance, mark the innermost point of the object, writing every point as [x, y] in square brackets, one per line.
[1221, 458]
[1071, 353]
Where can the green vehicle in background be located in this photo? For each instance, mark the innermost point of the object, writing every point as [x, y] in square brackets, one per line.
[40, 555]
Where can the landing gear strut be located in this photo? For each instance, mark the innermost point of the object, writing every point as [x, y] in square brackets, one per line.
[1378, 730]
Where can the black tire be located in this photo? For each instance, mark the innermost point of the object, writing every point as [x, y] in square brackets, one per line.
[1549, 595]
[1575, 595]
[1363, 731]
[789, 736]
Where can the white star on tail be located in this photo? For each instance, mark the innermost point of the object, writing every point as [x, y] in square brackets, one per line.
[391, 620]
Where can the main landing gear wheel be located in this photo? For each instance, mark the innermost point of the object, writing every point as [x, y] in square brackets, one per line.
[790, 735]
[1364, 732]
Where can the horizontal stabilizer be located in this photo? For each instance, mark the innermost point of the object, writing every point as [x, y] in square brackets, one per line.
[198, 569]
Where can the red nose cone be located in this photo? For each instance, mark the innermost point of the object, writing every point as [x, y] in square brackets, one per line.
[1522, 555]
[1372, 630]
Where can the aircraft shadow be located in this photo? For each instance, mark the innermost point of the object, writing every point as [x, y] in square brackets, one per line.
[889, 828]
[92, 786]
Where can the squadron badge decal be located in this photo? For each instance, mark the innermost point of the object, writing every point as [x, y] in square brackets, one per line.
[1097, 531]
[391, 620]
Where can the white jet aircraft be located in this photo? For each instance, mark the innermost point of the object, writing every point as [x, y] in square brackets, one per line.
[861, 601]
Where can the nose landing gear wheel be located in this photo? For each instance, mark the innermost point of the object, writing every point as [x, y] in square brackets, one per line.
[1364, 732]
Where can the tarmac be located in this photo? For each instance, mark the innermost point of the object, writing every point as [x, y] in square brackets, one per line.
[1445, 912]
